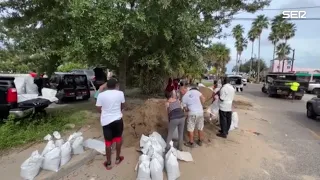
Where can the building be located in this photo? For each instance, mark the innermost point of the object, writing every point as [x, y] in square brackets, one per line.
[288, 66]
[281, 66]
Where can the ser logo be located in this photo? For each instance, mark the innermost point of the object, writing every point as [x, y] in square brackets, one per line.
[294, 14]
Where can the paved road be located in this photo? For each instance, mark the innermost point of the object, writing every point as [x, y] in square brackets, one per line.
[291, 133]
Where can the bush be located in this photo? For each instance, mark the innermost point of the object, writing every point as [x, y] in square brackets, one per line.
[14, 133]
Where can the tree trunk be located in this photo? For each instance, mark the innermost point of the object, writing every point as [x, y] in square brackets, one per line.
[258, 68]
[239, 63]
[283, 59]
[251, 58]
[123, 73]
[273, 56]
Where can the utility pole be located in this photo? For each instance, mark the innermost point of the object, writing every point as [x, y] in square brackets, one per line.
[293, 52]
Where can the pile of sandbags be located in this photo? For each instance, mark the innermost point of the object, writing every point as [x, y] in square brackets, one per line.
[153, 159]
[56, 153]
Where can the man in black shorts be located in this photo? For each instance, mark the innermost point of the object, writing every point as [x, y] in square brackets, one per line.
[110, 104]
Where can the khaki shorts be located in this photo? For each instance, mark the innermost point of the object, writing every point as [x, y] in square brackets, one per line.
[195, 121]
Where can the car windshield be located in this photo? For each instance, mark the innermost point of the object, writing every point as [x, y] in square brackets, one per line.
[89, 72]
[79, 80]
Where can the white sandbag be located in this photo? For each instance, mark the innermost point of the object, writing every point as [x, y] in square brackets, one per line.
[56, 135]
[201, 85]
[31, 87]
[20, 85]
[175, 135]
[145, 147]
[142, 158]
[172, 166]
[49, 94]
[65, 153]
[52, 160]
[234, 121]
[144, 171]
[159, 158]
[95, 144]
[48, 137]
[156, 145]
[159, 138]
[184, 156]
[77, 145]
[59, 142]
[73, 136]
[25, 97]
[31, 167]
[156, 170]
[143, 140]
[50, 145]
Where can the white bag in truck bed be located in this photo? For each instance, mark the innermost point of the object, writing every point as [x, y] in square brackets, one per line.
[49, 94]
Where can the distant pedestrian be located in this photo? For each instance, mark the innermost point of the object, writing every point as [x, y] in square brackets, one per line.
[110, 104]
[176, 119]
[226, 96]
[192, 102]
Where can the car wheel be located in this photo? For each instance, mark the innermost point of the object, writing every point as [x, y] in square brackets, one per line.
[316, 91]
[241, 89]
[310, 112]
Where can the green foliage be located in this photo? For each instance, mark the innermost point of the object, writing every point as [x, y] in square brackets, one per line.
[283, 50]
[69, 66]
[245, 68]
[154, 38]
[217, 54]
[14, 133]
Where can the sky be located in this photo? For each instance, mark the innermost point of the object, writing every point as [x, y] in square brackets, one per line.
[306, 41]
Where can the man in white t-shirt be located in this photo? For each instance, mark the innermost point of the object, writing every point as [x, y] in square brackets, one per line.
[110, 103]
[226, 96]
[192, 102]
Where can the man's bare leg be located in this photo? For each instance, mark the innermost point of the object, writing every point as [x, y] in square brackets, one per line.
[107, 164]
[118, 152]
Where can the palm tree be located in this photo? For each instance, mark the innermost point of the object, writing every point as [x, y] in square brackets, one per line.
[252, 35]
[219, 55]
[283, 50]
[241, 44]
[288, 31]
[274, 38]
[237, 33]
[260, 23]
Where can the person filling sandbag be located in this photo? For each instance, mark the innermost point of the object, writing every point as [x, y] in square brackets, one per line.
[176, 119]
[192, 102]
[226, 97]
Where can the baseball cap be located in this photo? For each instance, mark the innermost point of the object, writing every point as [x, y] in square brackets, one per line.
[111, 83]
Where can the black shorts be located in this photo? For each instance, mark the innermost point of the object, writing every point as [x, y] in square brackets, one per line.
[113, 132]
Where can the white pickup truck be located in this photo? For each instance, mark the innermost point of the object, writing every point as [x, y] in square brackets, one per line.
[314, 87]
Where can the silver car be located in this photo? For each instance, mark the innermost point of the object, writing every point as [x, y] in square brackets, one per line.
[313, 107]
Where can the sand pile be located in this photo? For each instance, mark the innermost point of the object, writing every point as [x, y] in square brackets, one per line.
[144, 119]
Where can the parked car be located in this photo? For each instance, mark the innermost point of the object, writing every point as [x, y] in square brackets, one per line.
[244, 81]
[236, 82]
[97, 76]
[70, 86]
[314, 87]
[9, 104]
[313, 107]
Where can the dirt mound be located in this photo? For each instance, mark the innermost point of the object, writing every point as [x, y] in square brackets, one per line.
[206, 92]
[144, 118]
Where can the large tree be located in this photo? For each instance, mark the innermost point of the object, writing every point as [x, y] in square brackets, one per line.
[240, 42]
[217, 54]
[259, 24]
[252, 36]
[245, 67]
[150, 39]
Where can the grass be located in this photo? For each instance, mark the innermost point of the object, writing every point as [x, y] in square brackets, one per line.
[207, 84]
[14, 133]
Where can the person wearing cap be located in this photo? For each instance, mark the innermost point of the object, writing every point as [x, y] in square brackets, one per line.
[110, 104]
[192, 103]
[226, 95]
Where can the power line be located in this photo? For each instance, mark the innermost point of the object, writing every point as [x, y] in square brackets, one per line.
[290, 19]
[276, 9]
